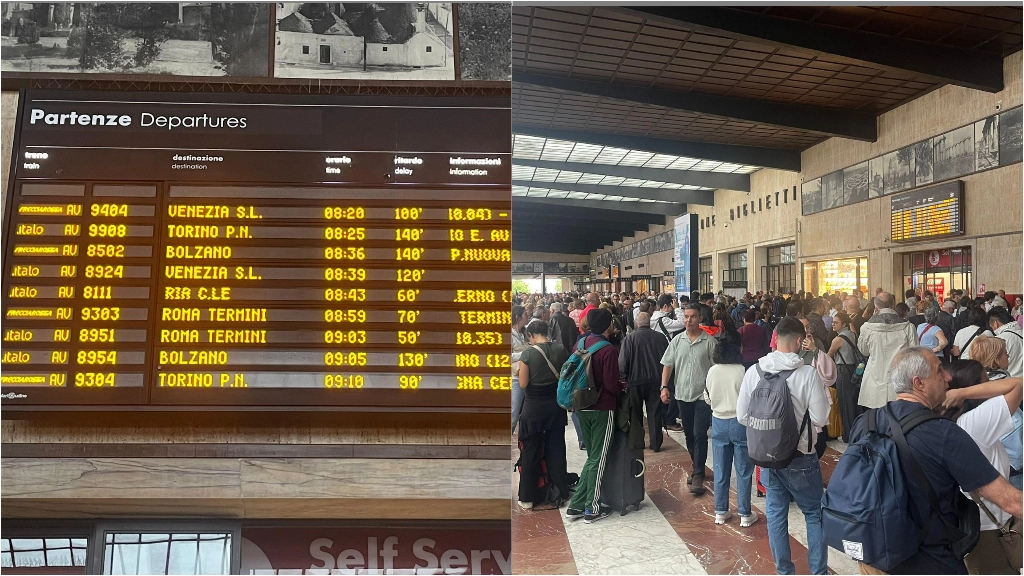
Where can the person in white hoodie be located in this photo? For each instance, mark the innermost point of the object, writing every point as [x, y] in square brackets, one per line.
[664, 321]
[800, 481]
[1006, 329]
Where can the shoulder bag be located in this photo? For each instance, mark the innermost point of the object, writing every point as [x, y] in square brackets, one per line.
[1009, 535]
[858, 370]
[545, 357]
[661, 324]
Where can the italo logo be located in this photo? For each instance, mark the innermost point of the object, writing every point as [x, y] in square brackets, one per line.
[146, 120]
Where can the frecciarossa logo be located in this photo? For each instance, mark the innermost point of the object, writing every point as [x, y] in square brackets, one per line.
[38, 116]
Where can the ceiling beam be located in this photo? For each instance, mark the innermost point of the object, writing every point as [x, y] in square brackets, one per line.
[576, 212]
[558, 223]
[556, 240]
[701, 178]
[705, 197]
[781, 158]
[595, 231]
[580, 230]
[634, 207]
[954, 65]
[553, 248]
[852, 124]
[574, 216]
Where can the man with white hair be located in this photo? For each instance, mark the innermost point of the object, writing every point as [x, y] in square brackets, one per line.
[562, 329]
[948, 456]
[640, 366]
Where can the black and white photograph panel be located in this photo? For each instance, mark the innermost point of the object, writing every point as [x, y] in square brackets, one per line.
[368, 41]
[810, 194]
[876, 175]
[181, 39]
[953, 153]
[1010, 136]
[898, 166]
[832, 190]
[855, 179]
[485, 40]
[923, 162]
[986, 142]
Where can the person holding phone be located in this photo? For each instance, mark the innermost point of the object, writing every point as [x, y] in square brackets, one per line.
[814, 354]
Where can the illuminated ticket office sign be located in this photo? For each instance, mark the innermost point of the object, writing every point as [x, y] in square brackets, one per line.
[327, 252]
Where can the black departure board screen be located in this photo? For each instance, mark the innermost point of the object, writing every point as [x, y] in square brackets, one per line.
[927, 213]
[275, 260]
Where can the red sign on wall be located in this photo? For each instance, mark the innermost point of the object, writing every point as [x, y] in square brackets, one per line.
[444, 549]
[943, 259]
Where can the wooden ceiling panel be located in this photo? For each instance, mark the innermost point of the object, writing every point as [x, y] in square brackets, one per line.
[602, 44]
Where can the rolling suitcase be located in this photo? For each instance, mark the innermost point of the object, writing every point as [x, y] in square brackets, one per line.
[622, 485]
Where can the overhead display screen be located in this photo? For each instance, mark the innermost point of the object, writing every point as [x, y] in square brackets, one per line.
[928, 213]
[292, 265]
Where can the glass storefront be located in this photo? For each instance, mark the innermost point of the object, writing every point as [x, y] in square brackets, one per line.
[832, 276]
[939, 271]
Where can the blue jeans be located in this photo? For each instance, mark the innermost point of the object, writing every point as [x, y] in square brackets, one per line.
[729, 446]
[518, 397]
[799, 482]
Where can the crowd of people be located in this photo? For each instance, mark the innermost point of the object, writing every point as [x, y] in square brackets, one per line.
[718, 368]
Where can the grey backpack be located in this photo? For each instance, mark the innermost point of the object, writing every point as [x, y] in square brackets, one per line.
[772, 434]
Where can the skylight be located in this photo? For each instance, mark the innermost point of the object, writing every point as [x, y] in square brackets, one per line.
[538, 148]
[541, 192]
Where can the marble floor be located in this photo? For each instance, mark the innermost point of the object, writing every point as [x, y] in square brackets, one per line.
[672, 533]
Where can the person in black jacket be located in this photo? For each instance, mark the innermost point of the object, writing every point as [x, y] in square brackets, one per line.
[562, 328]
[628, 313]
[818, 308]
[640, 366]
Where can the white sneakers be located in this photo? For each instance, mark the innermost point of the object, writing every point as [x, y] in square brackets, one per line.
[526, 505]
[745, 521]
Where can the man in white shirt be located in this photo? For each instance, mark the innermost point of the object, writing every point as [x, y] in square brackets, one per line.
[662, 320]
[987, 424]
[1007, 330]
[800, 481]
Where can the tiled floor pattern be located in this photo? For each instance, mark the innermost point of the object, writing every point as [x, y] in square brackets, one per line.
[672, 533]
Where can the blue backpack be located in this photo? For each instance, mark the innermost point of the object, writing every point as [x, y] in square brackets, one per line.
[867, 510]
[576, 389]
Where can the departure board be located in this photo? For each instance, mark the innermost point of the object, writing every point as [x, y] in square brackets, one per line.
[343, 275]
[927, 213]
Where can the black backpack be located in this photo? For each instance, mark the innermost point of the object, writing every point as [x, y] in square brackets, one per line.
[869, 507]
[546, 490]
